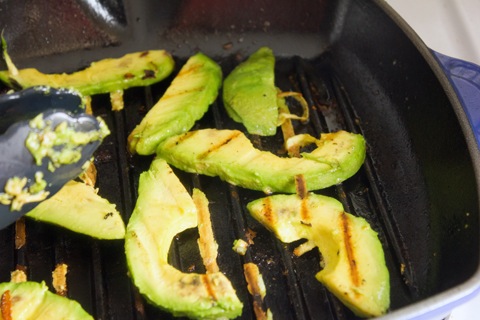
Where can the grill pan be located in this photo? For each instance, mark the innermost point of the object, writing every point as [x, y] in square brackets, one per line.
[359, 66]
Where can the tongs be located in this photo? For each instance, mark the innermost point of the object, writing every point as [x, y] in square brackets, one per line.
[18, 168]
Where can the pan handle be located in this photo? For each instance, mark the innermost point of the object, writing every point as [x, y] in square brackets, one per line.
[465, 79]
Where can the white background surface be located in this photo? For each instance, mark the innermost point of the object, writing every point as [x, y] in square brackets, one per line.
[451, 27]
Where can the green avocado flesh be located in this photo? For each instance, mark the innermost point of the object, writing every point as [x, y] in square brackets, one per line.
[230, 155]
[250, 95]
[103, 76]
[32, 300]
[354, 264]
[79, 208]
[186, 100]
[164, 208]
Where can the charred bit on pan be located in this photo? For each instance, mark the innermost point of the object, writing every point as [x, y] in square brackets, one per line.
[250, 235]
[20, 233]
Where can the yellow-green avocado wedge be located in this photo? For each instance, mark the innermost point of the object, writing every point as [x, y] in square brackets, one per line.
[230, 155]
[164, 208]
[354, 264]
[33, 300]
[103, 76]
[185, 101]
[250, 95]
[79, 208]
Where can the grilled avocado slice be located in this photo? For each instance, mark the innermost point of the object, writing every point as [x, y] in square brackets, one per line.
[230, 155]
[354, 264]
[250, 95]
[163, 209]
[185, 101]
[103, 76]
[32, 300]
[79, 208]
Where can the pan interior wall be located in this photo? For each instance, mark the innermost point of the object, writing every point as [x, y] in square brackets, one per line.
[78, 32]
[418, 150]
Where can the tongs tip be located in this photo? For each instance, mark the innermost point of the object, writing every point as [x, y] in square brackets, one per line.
[41, 154]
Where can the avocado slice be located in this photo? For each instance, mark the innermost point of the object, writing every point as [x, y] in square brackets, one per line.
[230, 155]
[250, 95]
[33, 300]
[186, 100]
[164, 208]
[354, 264]
[79, 208]
[103, 76]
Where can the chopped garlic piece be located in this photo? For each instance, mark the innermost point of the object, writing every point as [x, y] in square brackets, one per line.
[240, 246]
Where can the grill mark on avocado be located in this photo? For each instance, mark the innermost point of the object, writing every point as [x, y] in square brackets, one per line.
[302, 192]
[184, 137]
[221, 143]
[184, 72]
[301, 186]
[148, 74]
[305, 213]
[267, 211]
[347, 234]
[183, 92]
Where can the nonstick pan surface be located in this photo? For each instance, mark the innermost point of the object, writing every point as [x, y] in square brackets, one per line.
[360, 68]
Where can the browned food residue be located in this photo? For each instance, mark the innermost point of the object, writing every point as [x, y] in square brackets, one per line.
[59, 279]
[252, 275]
[250, 235]
[20, 233]
[6, 305]
[208, 286]
[206, 242]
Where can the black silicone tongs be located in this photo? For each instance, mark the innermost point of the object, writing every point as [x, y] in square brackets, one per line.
[16, 160]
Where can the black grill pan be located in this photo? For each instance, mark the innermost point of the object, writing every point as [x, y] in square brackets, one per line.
[361, 69]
